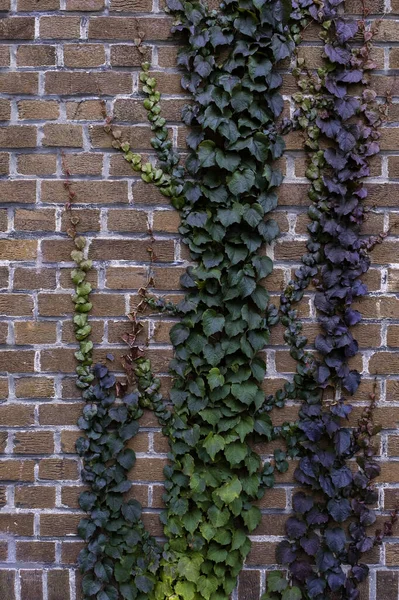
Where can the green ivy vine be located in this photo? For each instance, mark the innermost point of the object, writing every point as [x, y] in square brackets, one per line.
[224, 193]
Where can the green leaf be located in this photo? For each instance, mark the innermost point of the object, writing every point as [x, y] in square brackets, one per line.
[230, 490]
[178, 334]
[212, 322]
[218, 555]
[263, 265]
[208, 531]
[246, 392]
[252, 517]
[244, 427]
[218, 517]
[293, 593]
[241, 182]
[215, 379]
[258, 67]
[185, 589]
[190, 567]
[213, 443]
[276, 581]
[206, 153]
[239, 538]
[208, 585]
[143, 583]
[236, 453]
[192, 519]
[227, 160]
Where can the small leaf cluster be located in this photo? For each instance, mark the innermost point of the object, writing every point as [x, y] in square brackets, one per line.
[278, 588]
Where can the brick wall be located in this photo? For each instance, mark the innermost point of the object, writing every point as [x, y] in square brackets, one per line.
[63, 63]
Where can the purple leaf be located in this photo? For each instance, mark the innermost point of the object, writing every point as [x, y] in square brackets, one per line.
[295, 528]
[302, 503]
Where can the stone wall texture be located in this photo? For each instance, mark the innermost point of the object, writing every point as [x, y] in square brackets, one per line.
[64, 66]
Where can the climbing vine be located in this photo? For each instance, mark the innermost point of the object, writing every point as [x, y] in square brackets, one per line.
[224, 193]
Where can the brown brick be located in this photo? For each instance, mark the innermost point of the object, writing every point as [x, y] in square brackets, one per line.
[128, 28]
[38, 5]
[31, 279]
[126, 277]
[71, 83]
[143, 194]
[104, 192]
[34, 496]
[167, 278]
[58, 579]
[129, 55]
[84, 55]
[18, 83]
[16, 304]
[37, 164]
[7, 583]
[70, 495]
[16, 524]
[64, 28]
[138, 137]
[4, 56]
[16, 470]
[35, 551]
[59, 414]
[137, 250]
[31, 584]
[131, 5]
[168, 83]
[3, 277]
[18, 137]
[167, 56]
[83, 163]
[33, 442]
[387, 585]
[38, 109]
[34, 220]
[68, 440]
[389, 307]
[262, 553]
[166, 221]
[58, 360]
[17, 28]
[128, 109]
[69, 555]
[131, 221]
[58, 469]
[68, 135]
[86, 110]
[148, 469]
[249, 585]
[34, 387]
[4, 558]
[20, 192]
[59, 525]
[4, 163]
[36, 56]
[15, 415]
[17, 362]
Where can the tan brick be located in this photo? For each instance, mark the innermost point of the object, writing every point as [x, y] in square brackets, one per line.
[31, 584]
[5, 110]
[15, 136]
[19, 192]
[58, 469]
[63, 135]
[31, 279]
[58, 579]
[84, 55]
[131, 221]
[16, 304]
[36, 164]
[4, 56]
[17, 362]
[85, 5]
[83, 163]
[16, 470]
[38, 109]
[16, 524]
[4, 163]
[144, 194]
[126, 277]
[89, 220]
[68, 440]
[58, 360]
[34, 387]
[137, 250]
[34, 220]
[131, 5]
[63, 28]
[59, 525]
[166, 221]
[59, 414]
[36, 56]
[34, 496]
[38, 5]
[18, 83]
[138, 137]
[130, 56]
[148, 469]
[15, 415]
[33, 442]
[70, 495]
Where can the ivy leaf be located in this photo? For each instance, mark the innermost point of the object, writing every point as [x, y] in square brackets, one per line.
[208, 585]
[178, 334]
[192, 519]
[339, 509]
[293, 593]
[213, 443]
[335, 539]
[252, 518]
[190, 567]
[215, 378]
[91, 586]
[206, 153]
[212, 322]
[241, 182]
[143, 583]
[258, 67]
[236, 452]
[185, 589]
[218, 555]
[246, 392]
[227, 160]
[218, 517]
[276, 582]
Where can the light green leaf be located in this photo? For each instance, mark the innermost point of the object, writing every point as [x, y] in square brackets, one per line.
[185, 589]
[230, 490]
[215, 378]
[213, 444]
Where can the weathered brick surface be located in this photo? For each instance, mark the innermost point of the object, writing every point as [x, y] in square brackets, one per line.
[71, 62]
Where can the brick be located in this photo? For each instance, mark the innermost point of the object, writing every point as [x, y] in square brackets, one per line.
[63, 28]
[58, 360]
[393, 335]
[4, 556]
[387, 585]
[34, 496]
[5, 110]
[133, 110]
[128, 28]
[17, 28]
[59, 525]
[83, 163]
[16, 470]
[167, 56]
[137, 250]
[72, 83]
[19, 192]
[18, 83]
[133, 221]
[38, 109]
[38, 5]
[31, 584]
[31, 279]
[131, 5]
[18, 137]
[249, 585]
[4, 56]
[123, 55]
[104, 192]
[58, 579]
[56, 134]
[168, 83]
[16, 524]
[59, 414]
[34, 220]
[21, 362]
[36, 56]
[68, 440]
[56, 469]
[84, 55]
[86, 110]
[14, 415]
[166, 221]
[69, 555]
[138, 137]
[148, 469]
[36, 164]
[4, 165]
[7, 584]
[89, 220]
[126, 277]
[70, 495]
[35, 551]
[145, 195]
[16, 304]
